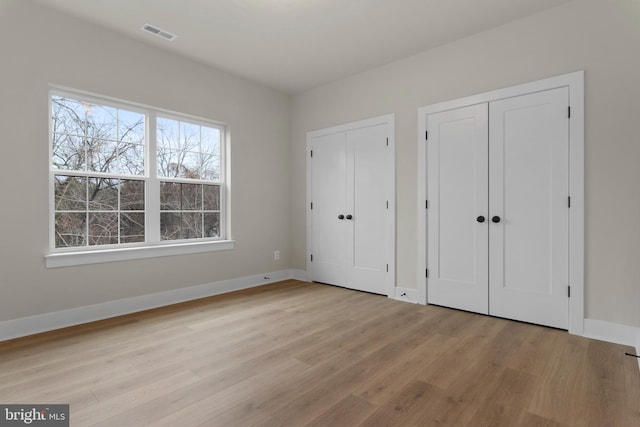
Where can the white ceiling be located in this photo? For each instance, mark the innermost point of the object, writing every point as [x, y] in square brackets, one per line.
[294, 45]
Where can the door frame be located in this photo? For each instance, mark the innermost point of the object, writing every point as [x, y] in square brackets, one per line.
[575, 82]
[390, 191]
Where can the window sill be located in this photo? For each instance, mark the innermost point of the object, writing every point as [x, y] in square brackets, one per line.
[67, 259]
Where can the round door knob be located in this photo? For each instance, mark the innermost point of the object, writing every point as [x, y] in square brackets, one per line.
[496, 219]
[349, 217]
[480, 219]
[340, 216]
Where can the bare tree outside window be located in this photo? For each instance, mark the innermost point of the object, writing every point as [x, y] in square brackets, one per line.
[93, 146]
[101, 179]
[188, 152]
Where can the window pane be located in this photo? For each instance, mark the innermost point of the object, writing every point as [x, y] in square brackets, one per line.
[103, 194]
[191, 225]
[67, 116]
[130, 127]
[68, 152]
[170, 196]
[168, 162]
[211, 167]
[103, 156]
[103, 228]
[132, 227]
[190, 165]
[130, 159]
[191, 197]
[187, 150]
[169, 226]
[211, 141]
[178, 164]
[211, 197]
[70, 229]
[131, 195]
[212, 224]
[189, 137]
[183, 225]
[70, 193]
[167, 133]
[102, 122]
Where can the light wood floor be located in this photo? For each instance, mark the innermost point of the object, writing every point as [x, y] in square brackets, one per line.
[295, 353]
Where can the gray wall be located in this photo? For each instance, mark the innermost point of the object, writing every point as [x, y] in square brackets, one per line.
[41, 47]
[601, 37]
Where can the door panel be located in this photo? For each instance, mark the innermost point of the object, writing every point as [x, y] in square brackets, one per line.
[328, 186]
[367, 174]
[457, 157]
[529, 186]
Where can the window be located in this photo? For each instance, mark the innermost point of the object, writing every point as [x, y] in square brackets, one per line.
[97, 152]
[125, 176]
[188, 153]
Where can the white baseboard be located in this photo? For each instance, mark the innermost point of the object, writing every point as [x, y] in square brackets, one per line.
[613, 332]
[17, 328]
[406, 295]
[300, 275]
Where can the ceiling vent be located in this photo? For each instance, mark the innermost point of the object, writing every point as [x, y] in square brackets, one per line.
[159, 32]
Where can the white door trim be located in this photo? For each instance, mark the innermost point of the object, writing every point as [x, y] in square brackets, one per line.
[390, 190]
[575, 82]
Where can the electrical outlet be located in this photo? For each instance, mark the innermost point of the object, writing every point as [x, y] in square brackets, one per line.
[276, 255]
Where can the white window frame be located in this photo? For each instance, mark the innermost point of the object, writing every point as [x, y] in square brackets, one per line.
[153, 245]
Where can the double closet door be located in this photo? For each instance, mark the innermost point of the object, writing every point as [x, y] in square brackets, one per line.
[350, 185]
[498, 220]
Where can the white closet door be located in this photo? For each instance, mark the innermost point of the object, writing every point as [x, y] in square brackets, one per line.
[367, 181]
[328, 185]
[457, 157]
[529, 189]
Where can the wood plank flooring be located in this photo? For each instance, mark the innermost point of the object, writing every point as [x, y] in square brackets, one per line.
[296, 354]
